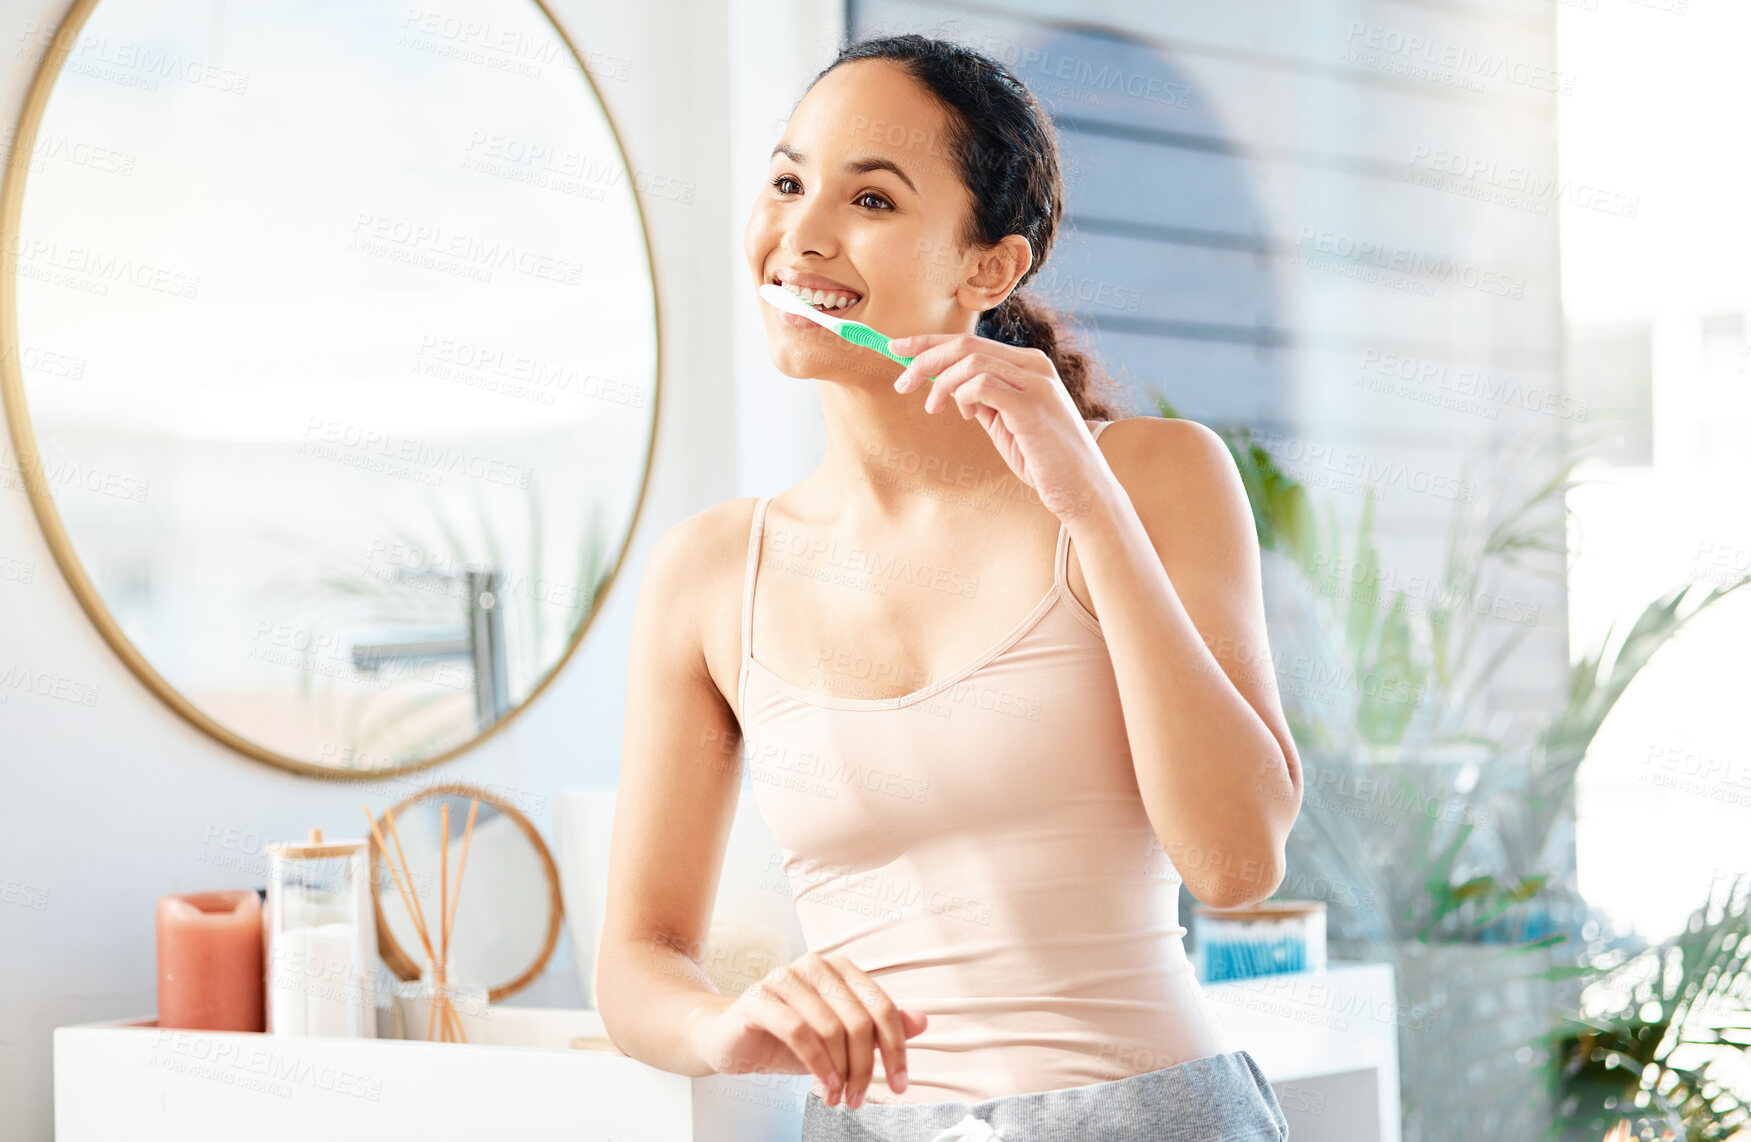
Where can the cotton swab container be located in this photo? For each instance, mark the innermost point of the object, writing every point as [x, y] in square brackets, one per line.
[1263, 939]
[321, 939]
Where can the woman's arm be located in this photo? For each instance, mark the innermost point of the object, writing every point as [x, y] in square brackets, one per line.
[681, 773]
[1171, 560]
[679, 780]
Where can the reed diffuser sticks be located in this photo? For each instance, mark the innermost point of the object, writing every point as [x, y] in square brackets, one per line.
[438, 956]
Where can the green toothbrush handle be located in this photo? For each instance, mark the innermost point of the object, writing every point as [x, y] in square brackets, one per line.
[870, 339]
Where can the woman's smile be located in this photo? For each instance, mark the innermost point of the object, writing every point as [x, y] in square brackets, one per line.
[823, 293]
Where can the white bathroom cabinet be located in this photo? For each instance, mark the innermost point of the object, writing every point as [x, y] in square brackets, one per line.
[1326, 1040]
[130, 1079]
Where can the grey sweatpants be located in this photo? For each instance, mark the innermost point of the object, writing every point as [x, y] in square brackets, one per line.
[1219, 1098]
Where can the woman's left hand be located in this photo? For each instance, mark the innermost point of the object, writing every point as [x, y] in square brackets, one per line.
[1018, 396]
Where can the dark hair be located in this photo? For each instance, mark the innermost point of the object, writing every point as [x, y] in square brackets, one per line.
[1007, 153]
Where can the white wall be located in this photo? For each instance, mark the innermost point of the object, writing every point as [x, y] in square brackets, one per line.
[105, 808]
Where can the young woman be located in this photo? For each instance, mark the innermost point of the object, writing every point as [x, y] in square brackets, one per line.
[999, 685]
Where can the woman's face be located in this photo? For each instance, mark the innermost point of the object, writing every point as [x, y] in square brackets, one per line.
[863, 199]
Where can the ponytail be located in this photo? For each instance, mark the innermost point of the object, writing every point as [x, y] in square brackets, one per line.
[1024, 322]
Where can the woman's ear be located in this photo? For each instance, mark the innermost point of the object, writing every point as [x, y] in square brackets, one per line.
[996, 273]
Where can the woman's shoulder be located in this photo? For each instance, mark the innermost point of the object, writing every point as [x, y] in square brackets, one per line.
[713, 539]
[1161, 445]
[1179, 473]
[693, 580]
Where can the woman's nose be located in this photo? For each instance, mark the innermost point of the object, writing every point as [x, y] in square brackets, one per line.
[808, 229]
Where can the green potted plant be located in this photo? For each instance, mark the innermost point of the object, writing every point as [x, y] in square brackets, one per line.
[1658, 1031]
[1426, 824]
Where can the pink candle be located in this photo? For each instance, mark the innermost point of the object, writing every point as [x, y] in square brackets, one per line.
[210, 965]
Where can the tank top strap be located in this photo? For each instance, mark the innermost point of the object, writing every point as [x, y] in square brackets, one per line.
[1061, 557]
[753, 566]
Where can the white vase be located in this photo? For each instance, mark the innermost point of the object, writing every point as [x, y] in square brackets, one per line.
[583, 821]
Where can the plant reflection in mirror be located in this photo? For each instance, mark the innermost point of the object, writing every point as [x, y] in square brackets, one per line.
[427, 704]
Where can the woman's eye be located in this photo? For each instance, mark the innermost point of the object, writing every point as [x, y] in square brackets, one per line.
[782, 183]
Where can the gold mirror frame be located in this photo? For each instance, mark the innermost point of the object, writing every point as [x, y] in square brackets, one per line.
[49, 517]
[395, 957]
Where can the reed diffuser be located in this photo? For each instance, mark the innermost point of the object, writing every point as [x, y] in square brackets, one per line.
[443, 1024]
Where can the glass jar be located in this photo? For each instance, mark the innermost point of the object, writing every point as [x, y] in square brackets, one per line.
[321, 939]
[441, 1010]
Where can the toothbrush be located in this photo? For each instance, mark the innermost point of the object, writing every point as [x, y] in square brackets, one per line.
[856, 332]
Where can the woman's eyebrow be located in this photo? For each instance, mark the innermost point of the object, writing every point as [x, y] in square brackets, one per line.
[853, 166]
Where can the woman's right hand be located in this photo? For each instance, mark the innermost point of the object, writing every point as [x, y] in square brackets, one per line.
[819, 1015]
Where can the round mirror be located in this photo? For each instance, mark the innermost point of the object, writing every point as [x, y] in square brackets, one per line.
[330, 359]
[507, 912]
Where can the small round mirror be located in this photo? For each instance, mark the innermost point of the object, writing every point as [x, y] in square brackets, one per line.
[507, 910]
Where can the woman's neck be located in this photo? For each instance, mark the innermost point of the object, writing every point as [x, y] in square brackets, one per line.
[890, 464]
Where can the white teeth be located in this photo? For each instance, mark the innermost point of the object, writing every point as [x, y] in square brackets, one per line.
[826, 299]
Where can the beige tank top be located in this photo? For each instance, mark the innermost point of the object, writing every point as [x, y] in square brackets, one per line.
[980, 848]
